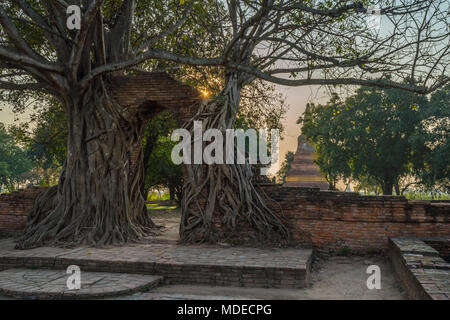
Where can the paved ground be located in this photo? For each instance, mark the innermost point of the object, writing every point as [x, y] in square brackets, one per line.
[163, 253]
[333, 278]
[45, 284]
[171, 222]
[336, 278]
[206, 265]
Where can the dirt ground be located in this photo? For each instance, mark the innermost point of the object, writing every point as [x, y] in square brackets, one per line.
[338, 277]
[170, 220]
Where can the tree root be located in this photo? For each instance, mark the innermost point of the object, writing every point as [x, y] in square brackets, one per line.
[98, 200]
[220, 202]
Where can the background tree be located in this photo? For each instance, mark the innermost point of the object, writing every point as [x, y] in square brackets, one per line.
[45, 138]
[321, 127]
[315, 42]
[164, 173]
[433, 142]
[159, 170]
[368, 137]
[285, 166]
[14, 162]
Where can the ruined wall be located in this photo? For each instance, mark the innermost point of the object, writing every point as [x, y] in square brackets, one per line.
[15, 206]
[331, 221]
[422, 271]
[327, 220]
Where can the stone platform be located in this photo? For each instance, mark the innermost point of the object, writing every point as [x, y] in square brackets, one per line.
[204, 265]
[52, 284]
[424, 274]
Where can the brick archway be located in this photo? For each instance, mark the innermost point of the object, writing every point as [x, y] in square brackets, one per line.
[154, 92]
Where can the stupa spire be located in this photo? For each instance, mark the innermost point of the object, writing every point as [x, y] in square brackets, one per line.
[304, 172]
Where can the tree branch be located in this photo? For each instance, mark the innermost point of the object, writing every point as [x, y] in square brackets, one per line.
[381, 83]
[34, 86]
[80, 39]
[19, 60]
[15, 36]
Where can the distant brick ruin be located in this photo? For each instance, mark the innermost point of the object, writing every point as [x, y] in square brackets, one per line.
[304, 172]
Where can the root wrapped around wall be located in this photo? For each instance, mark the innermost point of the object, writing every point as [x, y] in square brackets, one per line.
[98, 199]
[220, 201]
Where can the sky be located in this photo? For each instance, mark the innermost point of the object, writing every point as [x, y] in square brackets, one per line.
[6, 116]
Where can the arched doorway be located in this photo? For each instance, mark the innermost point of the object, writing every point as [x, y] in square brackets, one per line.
[153, 93]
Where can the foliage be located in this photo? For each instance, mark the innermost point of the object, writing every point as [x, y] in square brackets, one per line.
[164, 173]
[371, 137]
[160, 171]
[158, 196]
[14, 161]
[433, 143]
[285, 166]
[45, 138]
[427, 196]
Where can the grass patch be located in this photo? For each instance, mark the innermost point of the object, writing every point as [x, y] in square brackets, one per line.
[426, 196]
[156, 196]
[5, 235]
[158, 207]
[345, 251]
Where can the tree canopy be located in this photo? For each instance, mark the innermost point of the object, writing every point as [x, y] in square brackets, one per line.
[322, 42]
[14, 161]
[285, 166]
[379, 137]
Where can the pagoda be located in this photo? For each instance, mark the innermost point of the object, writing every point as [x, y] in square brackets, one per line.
[303, 171]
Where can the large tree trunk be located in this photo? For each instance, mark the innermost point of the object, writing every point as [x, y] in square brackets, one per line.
[387, 187]
[171, 192]
[98, 200]
[220, 201]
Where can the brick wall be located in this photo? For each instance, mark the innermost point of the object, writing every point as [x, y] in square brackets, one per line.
[15, 206]
[423, 273]
[442, 246]
[327, 220]
[331, 221]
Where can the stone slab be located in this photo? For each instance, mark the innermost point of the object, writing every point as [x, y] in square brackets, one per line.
[424, 274]
[206, 265]
[414, 246]
[52, 284]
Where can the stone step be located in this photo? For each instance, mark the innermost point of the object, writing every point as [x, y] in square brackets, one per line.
[200, 265]
[52, 284]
